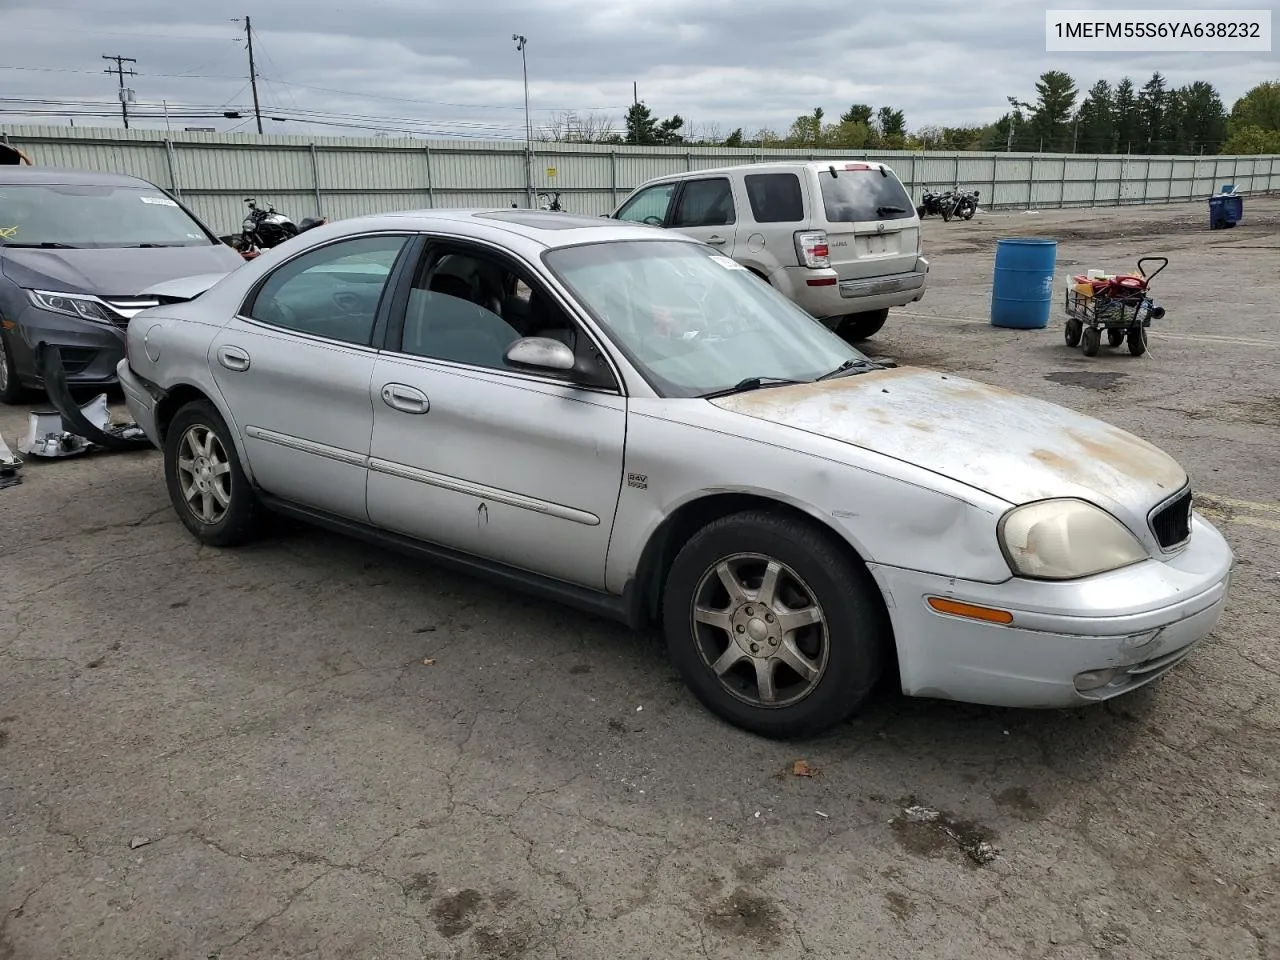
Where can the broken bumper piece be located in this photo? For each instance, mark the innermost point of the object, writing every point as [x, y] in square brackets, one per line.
[68, 429]
[52, 433]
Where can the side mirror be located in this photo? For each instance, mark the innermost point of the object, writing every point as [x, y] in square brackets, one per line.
[552, 358]
[540, 355]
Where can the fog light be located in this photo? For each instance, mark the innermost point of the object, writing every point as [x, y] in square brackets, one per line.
[1094, 679]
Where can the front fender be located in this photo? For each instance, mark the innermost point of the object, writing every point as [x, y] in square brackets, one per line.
[889, 520]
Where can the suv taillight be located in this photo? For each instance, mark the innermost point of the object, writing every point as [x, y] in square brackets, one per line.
[812, 249]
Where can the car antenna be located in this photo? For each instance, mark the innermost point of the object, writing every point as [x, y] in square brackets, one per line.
[832, 168]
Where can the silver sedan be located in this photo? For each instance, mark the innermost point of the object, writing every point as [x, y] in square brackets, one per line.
[625, 420]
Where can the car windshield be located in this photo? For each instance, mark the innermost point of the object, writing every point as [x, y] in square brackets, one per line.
[859, 195]
[694, 321]
[68, 215]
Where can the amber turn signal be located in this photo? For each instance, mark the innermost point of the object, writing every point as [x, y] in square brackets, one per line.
[970, 611]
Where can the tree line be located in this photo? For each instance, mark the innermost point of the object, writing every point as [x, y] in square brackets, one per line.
[1108, 119]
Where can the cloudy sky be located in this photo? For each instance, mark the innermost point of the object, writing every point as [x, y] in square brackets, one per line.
[451, 68]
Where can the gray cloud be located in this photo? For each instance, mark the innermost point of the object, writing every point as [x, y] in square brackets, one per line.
[749, 63]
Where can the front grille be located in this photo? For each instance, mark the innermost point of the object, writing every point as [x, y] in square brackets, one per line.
[129, 307]
[1172, 523]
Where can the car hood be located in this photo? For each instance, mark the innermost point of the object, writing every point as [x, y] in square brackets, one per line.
[113, 271]
[183, 288]
[1008, 445]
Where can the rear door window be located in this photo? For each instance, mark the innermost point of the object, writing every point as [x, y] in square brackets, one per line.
[863, 193]
[705, 203]
[775, 197]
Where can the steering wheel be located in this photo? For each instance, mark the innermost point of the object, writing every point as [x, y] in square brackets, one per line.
[653, 221]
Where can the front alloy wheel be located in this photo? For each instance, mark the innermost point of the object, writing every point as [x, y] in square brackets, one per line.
[759, 628]
[773, 624]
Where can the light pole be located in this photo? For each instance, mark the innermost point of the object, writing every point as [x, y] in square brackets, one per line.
[520, 42]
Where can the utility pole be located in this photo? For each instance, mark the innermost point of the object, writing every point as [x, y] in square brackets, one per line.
[521, 41]
[253, 73]
[120, 71]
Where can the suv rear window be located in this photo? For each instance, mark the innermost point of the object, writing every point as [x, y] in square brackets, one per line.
[775, 197]
[856, 196]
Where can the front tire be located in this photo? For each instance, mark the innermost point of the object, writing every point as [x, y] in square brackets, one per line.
[860, 326]
[207, 486]
[11, 389]
[773, 627]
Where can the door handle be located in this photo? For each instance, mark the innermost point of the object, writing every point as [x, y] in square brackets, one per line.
[718, 241]
[233, 358]
[405, 399]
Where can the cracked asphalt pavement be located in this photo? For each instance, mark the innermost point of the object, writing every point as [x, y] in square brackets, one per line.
[314, 748]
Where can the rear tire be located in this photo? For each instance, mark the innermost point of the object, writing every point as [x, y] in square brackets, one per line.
[11, 388]
[788, 659]
[207, 486]
[859, 326]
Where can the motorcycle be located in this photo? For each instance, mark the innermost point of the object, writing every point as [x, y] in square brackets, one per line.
[551, 203]
[966, 205]
[953, 203]
[263, 229]
[930, 204]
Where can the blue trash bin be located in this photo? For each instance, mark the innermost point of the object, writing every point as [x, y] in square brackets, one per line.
[1022, 289]
[1225, 210]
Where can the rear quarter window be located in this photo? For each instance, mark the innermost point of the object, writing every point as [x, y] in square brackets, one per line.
[856, 196]
[775, 197]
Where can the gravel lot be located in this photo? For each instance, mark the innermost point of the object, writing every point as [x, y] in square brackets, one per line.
[333, 752]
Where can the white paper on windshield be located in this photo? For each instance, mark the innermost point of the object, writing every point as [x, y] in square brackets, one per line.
[163, 201]
[727, 263]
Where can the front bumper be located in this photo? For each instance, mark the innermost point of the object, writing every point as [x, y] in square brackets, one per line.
[90, 351]
[1069, 643]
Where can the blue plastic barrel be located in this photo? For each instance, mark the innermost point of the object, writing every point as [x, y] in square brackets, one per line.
[1225, 210]
[1022, 291]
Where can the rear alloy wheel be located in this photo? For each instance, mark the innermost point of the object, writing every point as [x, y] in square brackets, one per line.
[860, 326]
[772, 626]
[206, 484]
[11, 389]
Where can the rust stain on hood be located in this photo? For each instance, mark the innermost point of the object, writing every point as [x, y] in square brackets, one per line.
[1010, 445]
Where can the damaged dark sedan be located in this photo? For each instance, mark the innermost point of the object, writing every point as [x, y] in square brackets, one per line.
[78, 252]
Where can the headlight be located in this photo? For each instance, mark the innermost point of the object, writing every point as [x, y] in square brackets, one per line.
[1066, 539]
[72, 305]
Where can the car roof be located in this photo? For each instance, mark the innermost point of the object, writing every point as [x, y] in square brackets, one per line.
[546, 228]
[17, 174]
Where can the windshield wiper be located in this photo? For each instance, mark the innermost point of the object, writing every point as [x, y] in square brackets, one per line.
[883, 210]
[750, 383]
[852, 367]
[46, 245]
